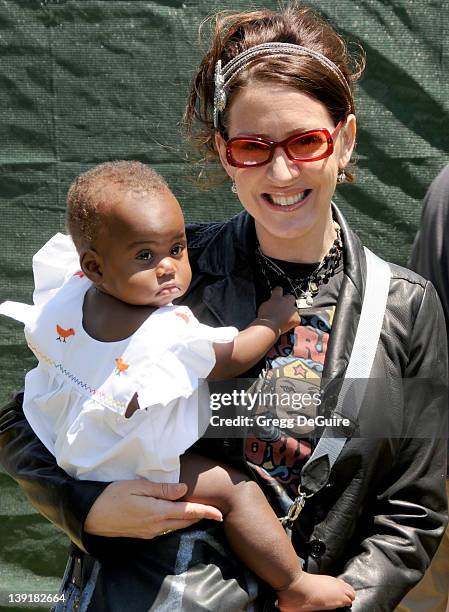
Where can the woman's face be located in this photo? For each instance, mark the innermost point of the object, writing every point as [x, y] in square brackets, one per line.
[287, 199]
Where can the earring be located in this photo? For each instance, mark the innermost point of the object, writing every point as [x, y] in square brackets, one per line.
[341, 176]
[233, 187]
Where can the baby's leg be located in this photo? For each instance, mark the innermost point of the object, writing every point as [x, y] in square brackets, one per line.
[257, 537]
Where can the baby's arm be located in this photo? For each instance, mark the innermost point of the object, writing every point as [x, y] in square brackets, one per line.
[275, 316]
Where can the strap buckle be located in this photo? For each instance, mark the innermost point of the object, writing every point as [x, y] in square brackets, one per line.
[296, 508]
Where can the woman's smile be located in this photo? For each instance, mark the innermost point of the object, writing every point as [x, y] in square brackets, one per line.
[286, 202]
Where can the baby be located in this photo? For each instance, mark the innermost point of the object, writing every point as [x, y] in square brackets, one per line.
[117, 394]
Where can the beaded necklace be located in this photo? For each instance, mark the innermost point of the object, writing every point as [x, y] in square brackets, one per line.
[303, 288]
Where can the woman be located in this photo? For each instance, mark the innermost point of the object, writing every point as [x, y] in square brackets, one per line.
[281, 119]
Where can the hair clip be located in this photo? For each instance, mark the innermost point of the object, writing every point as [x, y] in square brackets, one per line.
[219, 94]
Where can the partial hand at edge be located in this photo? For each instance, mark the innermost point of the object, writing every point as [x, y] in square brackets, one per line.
[143, 509]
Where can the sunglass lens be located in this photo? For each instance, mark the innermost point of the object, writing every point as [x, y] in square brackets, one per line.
[249, 152]
[308, 146]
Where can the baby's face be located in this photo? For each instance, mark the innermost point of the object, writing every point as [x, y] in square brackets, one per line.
[143, 249]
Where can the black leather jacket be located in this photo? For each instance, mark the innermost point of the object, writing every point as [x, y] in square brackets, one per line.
[379, 520]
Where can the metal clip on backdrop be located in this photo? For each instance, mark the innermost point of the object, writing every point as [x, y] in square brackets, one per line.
[359, 368]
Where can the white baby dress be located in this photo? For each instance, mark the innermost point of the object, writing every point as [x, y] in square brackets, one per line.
[76, 398]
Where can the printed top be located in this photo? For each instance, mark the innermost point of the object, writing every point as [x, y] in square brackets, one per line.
[76, 398]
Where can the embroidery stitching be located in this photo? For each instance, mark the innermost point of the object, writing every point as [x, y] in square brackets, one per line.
[95, 393]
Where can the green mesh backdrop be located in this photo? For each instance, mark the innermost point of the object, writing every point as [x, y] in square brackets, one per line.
[84, 81]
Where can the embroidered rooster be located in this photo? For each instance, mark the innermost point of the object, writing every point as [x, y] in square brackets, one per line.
[121, 366]
[63, 334]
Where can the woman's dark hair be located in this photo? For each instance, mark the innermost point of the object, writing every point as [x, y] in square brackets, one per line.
[238, 32]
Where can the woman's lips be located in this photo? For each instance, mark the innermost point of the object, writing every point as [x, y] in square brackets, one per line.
[286, 203]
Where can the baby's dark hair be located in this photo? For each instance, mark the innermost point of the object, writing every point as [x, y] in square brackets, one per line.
[86, 199]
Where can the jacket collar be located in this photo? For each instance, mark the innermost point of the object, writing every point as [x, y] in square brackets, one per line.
[227, 257]
[354, 257]
[231, 248]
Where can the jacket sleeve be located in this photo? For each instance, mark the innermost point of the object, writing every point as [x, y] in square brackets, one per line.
[409, 515]
[430, 252]
[61, 499]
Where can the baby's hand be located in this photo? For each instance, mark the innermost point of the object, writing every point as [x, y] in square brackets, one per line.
[281, 310]
[314, 592]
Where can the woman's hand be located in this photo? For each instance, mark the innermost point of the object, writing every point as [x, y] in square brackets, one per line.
[143, 509]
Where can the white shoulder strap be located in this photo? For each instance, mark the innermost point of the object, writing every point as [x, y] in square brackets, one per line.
[377, 285]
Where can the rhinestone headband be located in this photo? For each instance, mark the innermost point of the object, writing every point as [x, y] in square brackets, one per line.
[223, 77]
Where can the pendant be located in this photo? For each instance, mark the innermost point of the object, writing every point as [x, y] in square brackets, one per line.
[305, 301]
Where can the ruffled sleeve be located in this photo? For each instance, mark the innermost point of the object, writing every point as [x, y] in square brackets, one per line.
[180, 369]
[15, 310]
[53, 265]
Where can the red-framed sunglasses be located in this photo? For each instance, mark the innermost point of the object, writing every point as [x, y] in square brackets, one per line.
[253, 151]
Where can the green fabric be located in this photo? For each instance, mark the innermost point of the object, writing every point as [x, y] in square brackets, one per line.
[83, 81]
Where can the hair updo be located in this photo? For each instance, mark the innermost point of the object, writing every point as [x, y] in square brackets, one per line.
[235, 33]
